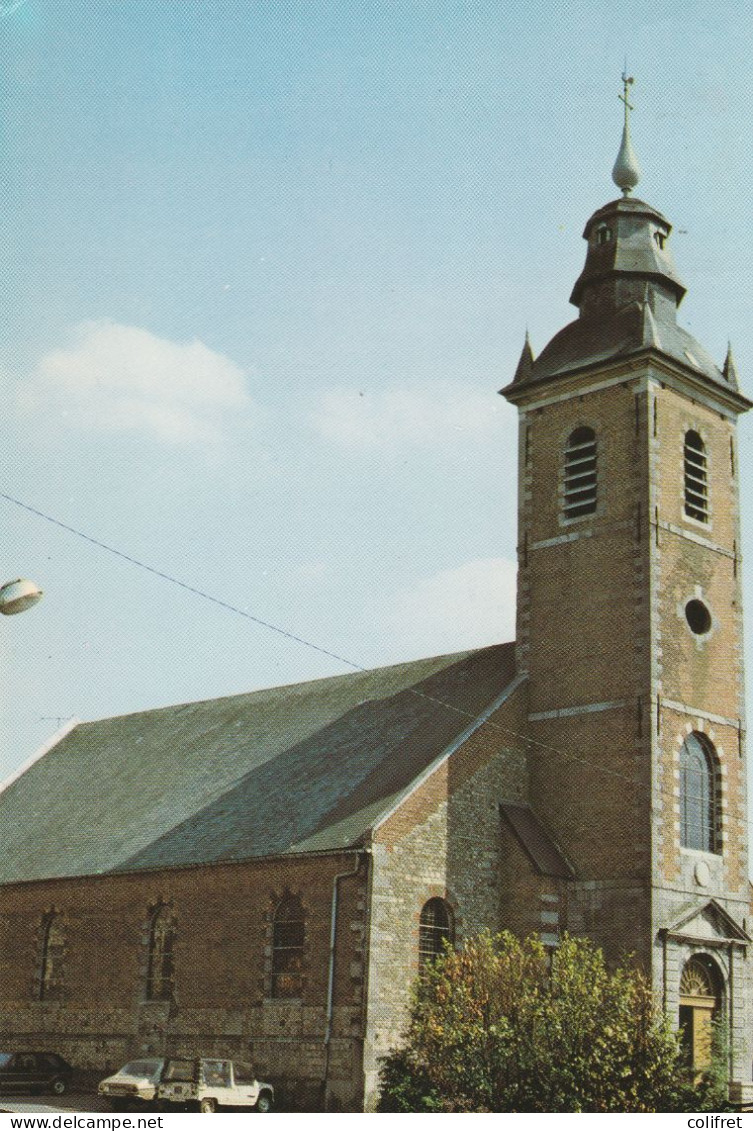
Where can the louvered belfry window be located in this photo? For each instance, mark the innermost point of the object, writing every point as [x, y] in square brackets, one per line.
[696, 478]
[580, 474]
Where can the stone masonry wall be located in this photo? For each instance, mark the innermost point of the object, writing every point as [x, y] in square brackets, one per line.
[447, 840]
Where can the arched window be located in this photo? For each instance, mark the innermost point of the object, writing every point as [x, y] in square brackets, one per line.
[435, 928]
[160, 979]
[700, 1004]
[51, 963]
[580, 473]
[696, 478]
[698, 794]
[288, 933]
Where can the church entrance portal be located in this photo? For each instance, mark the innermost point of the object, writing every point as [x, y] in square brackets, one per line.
[700, 1005]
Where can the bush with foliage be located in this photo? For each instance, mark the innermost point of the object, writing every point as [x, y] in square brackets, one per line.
[507, 1025]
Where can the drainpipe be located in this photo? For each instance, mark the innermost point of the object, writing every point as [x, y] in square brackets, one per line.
[730, 1051]
[331, 973]
[665, 988]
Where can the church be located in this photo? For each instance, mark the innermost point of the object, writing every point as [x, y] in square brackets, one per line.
[263, 875]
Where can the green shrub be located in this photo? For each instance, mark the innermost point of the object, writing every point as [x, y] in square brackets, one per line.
[507, 1025]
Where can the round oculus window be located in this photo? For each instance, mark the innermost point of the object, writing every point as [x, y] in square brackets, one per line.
[698, 617]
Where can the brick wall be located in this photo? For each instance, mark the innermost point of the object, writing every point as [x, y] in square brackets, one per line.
[582, 579]
[618, 677]
[222, 957]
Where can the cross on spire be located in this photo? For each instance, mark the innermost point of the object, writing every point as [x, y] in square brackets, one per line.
[627, 82]
[626, 172]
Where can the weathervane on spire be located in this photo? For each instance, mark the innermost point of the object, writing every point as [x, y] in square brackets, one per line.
[626, 172]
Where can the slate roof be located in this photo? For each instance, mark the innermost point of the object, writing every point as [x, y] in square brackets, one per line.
[306, 767]
[629, 330]
[631, 253]
[535, 841]
[627, 293]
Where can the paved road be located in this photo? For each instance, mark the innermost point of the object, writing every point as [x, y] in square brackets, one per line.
[73, 1101]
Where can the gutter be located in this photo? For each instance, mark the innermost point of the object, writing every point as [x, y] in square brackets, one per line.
[153, 869]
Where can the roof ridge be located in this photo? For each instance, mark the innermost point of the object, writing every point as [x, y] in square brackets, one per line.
[341, 676]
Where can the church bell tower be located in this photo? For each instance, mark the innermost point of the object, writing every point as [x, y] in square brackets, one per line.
[630, 622]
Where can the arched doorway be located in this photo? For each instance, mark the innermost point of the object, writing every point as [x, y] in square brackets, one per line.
[700, 1005]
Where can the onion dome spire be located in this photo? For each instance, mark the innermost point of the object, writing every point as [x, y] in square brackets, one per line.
[627, 297]
[626, 172]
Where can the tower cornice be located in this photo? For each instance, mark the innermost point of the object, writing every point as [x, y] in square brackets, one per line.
[649, 363]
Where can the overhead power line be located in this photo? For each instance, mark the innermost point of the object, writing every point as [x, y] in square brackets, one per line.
[182, 584]
[524, 739]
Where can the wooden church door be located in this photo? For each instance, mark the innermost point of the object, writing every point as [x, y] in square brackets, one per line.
[700, 1002]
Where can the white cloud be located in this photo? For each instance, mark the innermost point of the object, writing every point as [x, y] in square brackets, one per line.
[467, 607]
[116, 378]
[395, 415]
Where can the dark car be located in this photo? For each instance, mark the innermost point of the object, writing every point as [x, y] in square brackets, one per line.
[34, 1072]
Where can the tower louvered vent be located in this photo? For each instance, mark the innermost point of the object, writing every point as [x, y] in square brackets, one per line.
[580, 473]
[696, 482]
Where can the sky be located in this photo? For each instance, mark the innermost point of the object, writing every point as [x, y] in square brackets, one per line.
[265, 265]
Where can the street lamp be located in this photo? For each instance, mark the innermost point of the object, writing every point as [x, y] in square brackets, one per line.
[19, 595]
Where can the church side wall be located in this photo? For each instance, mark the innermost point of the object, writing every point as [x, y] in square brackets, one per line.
[447, 840]
[222, 1003]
